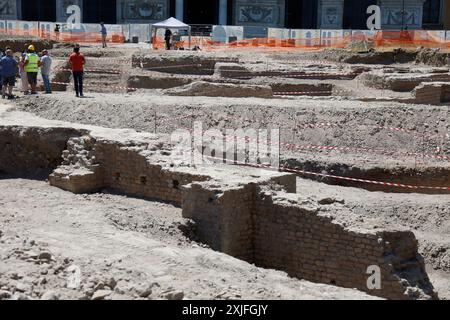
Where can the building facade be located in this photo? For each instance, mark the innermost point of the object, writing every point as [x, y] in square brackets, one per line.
[325, 14]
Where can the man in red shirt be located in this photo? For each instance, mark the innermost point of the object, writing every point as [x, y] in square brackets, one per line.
[77, 62]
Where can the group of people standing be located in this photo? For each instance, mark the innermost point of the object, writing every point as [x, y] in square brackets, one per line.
[27, 66]
[28, 63]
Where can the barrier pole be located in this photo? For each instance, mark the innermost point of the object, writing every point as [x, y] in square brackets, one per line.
[190, 34]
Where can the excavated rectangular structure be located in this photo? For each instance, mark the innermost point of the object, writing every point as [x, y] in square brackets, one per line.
[249, 213]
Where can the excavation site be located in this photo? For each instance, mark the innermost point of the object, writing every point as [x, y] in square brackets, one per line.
[228, 174]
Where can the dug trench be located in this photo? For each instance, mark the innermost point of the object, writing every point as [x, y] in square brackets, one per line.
[235, 210]
[381, 142]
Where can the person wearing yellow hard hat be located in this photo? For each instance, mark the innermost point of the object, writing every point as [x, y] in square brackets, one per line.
[32, 67]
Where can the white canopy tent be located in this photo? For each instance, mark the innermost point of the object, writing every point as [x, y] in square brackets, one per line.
[170, 23]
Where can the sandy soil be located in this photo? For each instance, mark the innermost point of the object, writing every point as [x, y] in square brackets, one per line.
[124, 248]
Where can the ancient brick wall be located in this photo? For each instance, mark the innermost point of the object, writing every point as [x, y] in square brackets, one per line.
[32, 150]
[129, 171]
[223, 218]
[310, 245]
[432, 93]
[276, 231]
[108, 164]
[428, 93]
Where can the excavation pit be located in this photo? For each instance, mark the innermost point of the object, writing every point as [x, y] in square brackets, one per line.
[344, 196]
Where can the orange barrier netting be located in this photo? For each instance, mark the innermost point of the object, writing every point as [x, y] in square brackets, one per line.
[416, 38]
[378, 39]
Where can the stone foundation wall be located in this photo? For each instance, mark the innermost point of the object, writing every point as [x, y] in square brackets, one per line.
[432, 93]
[223, 219]
[116, 166]
[156, 82]
[310, 245]
[178, 64]
[273, 230]
[32, 150]
[400, 83]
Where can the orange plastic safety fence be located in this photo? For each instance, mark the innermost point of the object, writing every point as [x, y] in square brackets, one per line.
[379, 39]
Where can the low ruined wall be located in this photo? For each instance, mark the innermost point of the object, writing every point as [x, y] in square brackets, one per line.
[320, 89]
[431, 175]
[275, 231]
[209, 89]
[32, 150]
[156, 82]
[310, 245]
[433, 57]
[223, 219]
[432, 93]
[106, 164]
[231, 70]
[20, 44]
[373, 57]
[178, 62]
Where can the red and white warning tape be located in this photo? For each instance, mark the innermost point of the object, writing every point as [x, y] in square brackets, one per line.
[176, 66]
[325, 175]
[389, 184]
[300, 93]
[97, 86]
[342, 76]
[291, 146]
[90, 70]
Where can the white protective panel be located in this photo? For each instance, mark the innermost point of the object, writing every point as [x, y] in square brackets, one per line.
[330, 38]
[142, 31]
[306, 37]
[223, 33]
[429, 36]
[26, 28]
[2, 25]
[278, 33]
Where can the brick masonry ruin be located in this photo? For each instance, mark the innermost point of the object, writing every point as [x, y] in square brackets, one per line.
[248, 213]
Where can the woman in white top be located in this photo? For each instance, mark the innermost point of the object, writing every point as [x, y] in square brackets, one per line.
[23, 74]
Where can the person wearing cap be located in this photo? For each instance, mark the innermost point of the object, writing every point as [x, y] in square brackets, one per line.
[46, 65]
[32, 68]
[9, 71]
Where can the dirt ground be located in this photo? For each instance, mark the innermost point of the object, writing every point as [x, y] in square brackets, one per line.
[123, 248]
[139, 243]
